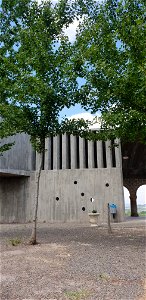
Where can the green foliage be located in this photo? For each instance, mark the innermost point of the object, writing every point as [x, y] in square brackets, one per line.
[15, 242]
[5, 131]
[111, 57]
[5, 147]
[36, 77]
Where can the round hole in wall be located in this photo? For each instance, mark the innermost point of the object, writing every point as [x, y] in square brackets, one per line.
[92, 199]
[57, 198]
[107, 184]
[75, 182]
[82, 194]
[83, 208]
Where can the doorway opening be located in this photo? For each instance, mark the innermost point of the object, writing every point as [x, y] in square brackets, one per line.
[127, 202]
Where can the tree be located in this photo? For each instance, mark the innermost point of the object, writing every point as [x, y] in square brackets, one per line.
[37, 81]
[111, 57]
[5, 131]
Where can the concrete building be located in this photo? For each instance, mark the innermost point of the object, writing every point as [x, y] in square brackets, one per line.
[77, 177]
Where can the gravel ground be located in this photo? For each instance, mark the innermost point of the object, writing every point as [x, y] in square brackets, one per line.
[74, 262]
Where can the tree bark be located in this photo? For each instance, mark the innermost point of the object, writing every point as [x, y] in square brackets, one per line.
[33, 240]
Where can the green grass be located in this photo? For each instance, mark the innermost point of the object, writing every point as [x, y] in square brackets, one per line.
[15, 242]
[140, 213]
[76, 295]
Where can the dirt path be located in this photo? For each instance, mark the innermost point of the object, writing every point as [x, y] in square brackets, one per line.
[73, 262]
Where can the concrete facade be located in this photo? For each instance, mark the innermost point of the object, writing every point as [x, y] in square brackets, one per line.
[75, 170]
[20, 157]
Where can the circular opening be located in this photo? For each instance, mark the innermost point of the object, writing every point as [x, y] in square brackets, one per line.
[57, 198]
[107, 184]
[75, 182]
[92, 199]
[82, 194]
[83, 208]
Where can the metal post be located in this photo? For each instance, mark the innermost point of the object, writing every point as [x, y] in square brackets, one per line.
[109, 221]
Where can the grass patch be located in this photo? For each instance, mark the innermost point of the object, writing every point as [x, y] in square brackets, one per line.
[76, 295]
[142, 213]
[15, 242]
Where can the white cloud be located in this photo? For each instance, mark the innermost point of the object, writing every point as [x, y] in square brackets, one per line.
[53, 1]
[71, 30]
[88, 117]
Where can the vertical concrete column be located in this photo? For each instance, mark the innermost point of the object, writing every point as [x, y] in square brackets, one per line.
[82, 163]
[38, 160]
[108, 154]
[65, 154]
[56, 153]
[118, 155]
[47, 165]
[99, 154]
[73, 150]
[133, 204]
[31, 158]
[91, 160]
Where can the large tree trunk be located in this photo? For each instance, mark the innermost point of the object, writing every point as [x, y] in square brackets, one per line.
[33, 240]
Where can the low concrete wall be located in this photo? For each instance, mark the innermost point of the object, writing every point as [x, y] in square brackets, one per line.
[65, 194]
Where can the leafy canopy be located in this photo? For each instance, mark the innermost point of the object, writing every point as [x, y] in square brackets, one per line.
[36, 78]
[111, 57]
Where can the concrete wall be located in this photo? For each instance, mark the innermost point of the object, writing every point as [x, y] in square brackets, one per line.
[14, 196]
[75, 170]
[62, 199]
[21, 155]
[72, 152]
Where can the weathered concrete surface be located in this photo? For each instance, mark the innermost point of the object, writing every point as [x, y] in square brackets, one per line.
[60, 198]
[14, 194]
[65, 188]
[63, 200]
[13, 173]
[21, 155]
